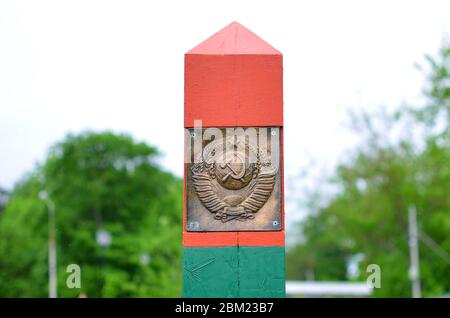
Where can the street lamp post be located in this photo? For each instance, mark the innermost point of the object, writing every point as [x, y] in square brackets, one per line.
[103, 238]
[414, 271]
[52, 278]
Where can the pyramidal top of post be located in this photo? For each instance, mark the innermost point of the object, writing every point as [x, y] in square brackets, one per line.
[234, 39]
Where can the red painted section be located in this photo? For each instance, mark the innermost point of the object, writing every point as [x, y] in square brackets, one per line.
[234, 39]
[233, 90]
[234, 79]
[210, 239]
[261, 238]
[217, 239]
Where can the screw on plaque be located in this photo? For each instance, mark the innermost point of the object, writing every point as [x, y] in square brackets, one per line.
[193, 225]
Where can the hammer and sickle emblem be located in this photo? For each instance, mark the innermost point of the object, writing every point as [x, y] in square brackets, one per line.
[233, 173]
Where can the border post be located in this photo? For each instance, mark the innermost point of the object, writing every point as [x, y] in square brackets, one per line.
[235, 247]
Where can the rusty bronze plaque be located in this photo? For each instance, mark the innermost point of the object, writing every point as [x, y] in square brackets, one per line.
[233, 179]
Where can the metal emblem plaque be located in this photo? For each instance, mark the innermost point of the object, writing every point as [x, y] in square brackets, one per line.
[233, 179]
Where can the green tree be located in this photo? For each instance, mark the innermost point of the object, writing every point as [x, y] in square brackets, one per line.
[96, 181]
[382, 180]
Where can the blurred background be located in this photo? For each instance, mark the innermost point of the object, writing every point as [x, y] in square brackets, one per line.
[91, 143]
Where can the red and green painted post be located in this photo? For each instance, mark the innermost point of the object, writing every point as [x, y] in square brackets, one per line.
[233, 79]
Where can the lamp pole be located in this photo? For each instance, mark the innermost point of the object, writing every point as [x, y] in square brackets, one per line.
[103, 238]
[52, 278]
[414, 270]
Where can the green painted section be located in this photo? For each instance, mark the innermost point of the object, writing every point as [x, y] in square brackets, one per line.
[262, 271]
[210, 272]
[230, 272]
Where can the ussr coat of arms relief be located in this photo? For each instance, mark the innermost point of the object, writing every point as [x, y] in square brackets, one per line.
[233, 182]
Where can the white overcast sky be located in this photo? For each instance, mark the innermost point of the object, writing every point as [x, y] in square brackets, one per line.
[68, 66]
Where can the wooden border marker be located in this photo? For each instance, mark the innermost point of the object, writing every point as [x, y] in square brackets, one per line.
[234, 79]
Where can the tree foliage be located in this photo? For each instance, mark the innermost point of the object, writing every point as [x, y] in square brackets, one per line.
[377, 186]
[96, 181]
